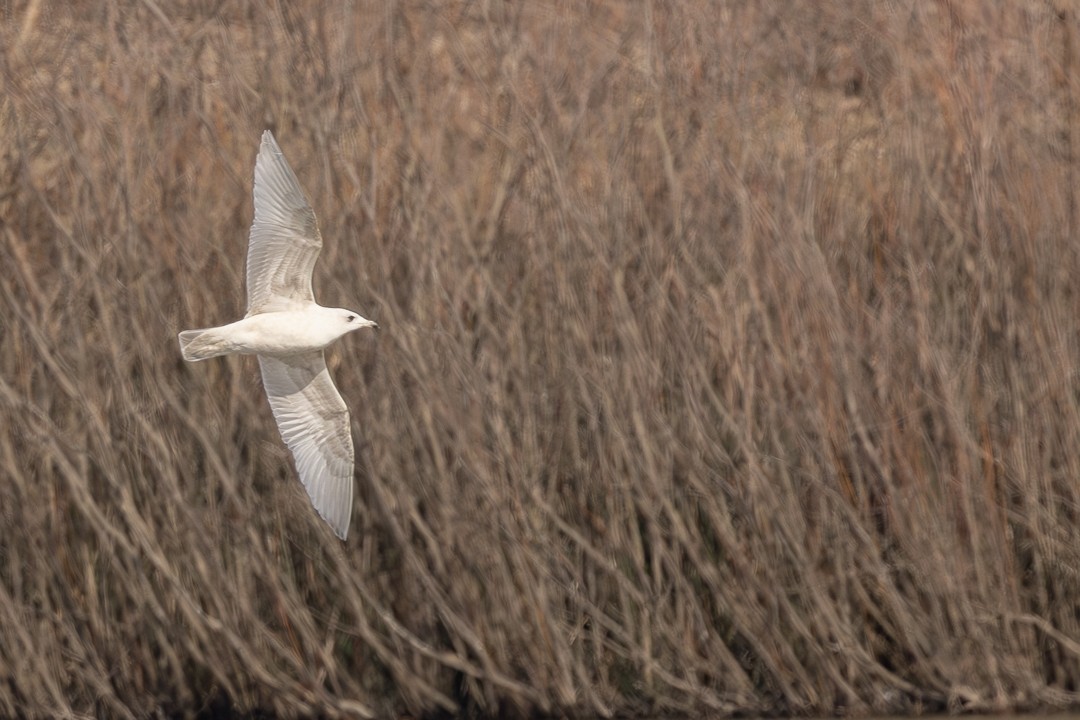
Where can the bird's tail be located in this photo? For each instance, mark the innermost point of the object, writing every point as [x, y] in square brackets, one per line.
[198, 345]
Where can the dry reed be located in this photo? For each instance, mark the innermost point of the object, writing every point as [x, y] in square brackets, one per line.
[727, 363]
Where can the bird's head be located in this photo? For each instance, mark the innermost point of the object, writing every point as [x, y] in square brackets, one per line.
[352, 320]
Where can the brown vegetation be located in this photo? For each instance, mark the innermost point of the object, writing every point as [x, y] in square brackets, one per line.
[728, 358]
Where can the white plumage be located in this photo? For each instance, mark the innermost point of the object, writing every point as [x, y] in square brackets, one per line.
[288, 330]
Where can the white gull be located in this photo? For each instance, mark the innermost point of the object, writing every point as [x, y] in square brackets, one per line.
[288, 330]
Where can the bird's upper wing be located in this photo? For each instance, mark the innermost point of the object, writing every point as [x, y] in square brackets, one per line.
[314, 422]
[285, 241]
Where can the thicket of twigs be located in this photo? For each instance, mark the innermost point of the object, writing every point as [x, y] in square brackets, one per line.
[727, 363]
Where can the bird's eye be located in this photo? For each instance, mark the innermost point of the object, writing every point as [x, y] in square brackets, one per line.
[350, 318]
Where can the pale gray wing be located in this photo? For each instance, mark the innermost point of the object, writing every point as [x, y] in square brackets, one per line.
[314, 422]
[285, 241]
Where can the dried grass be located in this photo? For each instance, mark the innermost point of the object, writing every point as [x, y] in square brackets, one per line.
[728, 359]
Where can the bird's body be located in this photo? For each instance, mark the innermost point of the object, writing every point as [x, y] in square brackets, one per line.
[288, 330]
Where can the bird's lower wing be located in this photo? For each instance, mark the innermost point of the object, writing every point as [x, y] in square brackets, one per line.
[314, 422]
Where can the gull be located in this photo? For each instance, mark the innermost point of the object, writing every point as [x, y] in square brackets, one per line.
[288, 331]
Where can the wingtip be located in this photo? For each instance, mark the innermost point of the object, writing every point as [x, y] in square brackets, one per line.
[338, 519]
[268, 140]
[341, 524]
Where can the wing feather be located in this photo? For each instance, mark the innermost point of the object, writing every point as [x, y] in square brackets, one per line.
[314, 422]
[285, 241]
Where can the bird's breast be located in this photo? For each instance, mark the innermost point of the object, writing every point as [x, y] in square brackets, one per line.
[283, 333]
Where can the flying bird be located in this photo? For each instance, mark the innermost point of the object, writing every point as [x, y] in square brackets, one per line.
[288, 331]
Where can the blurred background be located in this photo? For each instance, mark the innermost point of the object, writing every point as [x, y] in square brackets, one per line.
[727, 360]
